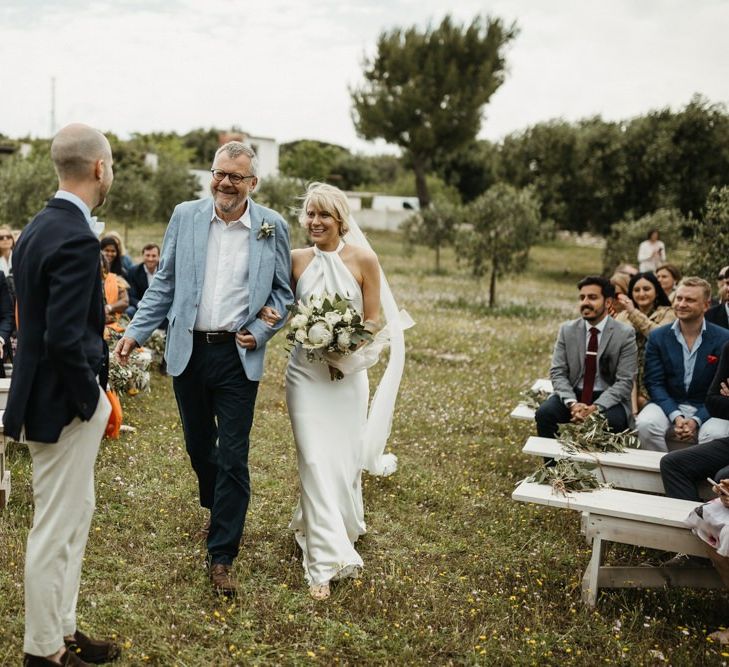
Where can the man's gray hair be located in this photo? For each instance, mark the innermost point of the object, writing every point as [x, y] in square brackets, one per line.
[235, 149]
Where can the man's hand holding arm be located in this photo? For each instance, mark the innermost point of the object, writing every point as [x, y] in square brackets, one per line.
[155, 304]
[259, 332]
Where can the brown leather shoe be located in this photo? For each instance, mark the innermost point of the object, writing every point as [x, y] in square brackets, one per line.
[222, 579]
[92, 651]
[68, 658]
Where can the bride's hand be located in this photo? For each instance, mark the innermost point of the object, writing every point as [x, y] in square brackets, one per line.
[269, 315]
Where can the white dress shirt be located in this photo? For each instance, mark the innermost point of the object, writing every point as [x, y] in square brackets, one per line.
[224, 302]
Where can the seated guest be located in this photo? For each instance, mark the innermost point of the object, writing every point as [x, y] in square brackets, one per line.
[645, 308]
[126, 261]
[669, 276]
[680, 363]
[683, 470]
[593, 365]
[719, 314]
[7, 322]
[110, 249]
[620, 282]
[141, 275]
[116, 296]
[7, 243]
[627, 269]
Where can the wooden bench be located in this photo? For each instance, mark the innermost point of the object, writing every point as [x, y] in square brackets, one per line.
[633, 470]
[4, 389]
[626, 517]
[4, 472]
[523, 411]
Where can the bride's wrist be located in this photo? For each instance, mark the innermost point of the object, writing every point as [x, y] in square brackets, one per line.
[371, 326]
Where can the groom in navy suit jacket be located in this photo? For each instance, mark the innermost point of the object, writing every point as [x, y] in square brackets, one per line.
[680, 363]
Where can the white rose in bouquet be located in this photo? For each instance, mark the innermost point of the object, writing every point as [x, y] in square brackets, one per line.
[300, 335]
[319, 335]
[299, 321]
[347, 317]
[344, 340]
[332, 318]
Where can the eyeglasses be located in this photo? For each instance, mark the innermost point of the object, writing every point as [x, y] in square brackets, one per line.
[5, 237]
[235, 179]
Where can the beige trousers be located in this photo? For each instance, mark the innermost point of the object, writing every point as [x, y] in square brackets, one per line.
[64, 500]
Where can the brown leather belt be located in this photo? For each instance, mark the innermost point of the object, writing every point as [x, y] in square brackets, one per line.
[213, 337]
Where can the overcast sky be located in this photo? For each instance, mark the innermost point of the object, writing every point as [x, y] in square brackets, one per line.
[281, 68]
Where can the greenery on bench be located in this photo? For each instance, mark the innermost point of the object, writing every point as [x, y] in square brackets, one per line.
[593, 435]
[565, 476]
[533, 398]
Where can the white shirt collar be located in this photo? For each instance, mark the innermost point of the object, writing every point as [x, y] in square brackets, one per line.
[97, 226]
[245, 219]
[600, 326]
[75, 199]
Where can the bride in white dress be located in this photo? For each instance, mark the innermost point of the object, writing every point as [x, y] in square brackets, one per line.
[329, 418]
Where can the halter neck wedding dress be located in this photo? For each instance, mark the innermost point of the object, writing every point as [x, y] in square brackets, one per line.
[328, 419]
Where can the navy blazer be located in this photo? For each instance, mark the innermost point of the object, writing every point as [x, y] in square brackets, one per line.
[717, 315]
[138, 283]
[664, 368]
[61, 348]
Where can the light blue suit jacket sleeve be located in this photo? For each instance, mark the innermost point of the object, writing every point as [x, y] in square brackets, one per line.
[157, 300]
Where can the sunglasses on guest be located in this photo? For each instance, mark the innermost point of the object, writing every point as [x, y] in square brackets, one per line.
[5, 237]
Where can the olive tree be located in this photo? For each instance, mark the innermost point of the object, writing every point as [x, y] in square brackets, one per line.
[503, 224]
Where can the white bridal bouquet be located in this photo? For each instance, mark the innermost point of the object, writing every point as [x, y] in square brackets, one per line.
[328, 329]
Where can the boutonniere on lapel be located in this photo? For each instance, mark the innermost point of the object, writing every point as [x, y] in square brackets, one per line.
[712, 358]
[265, 231]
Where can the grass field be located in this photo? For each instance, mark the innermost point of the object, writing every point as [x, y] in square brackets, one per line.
[455, 572]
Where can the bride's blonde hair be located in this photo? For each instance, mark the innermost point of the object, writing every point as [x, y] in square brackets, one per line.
[325, 197]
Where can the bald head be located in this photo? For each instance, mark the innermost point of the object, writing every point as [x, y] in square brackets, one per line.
[75, 151]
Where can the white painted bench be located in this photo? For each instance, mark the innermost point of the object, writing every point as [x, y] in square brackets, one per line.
[626, 517]
[4, 472]
[523, 411]
[633, 470]
[4, 389]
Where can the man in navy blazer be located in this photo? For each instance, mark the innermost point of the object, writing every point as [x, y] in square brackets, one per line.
[680, 363]
[223, 259]
[140, 275]
[719, 314]
[56, 404]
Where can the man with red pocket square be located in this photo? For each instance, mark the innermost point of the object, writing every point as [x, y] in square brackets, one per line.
[681, 360]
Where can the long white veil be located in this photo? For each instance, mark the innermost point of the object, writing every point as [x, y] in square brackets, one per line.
[382, 407]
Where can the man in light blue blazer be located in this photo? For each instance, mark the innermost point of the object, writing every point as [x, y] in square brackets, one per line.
[223, 259]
